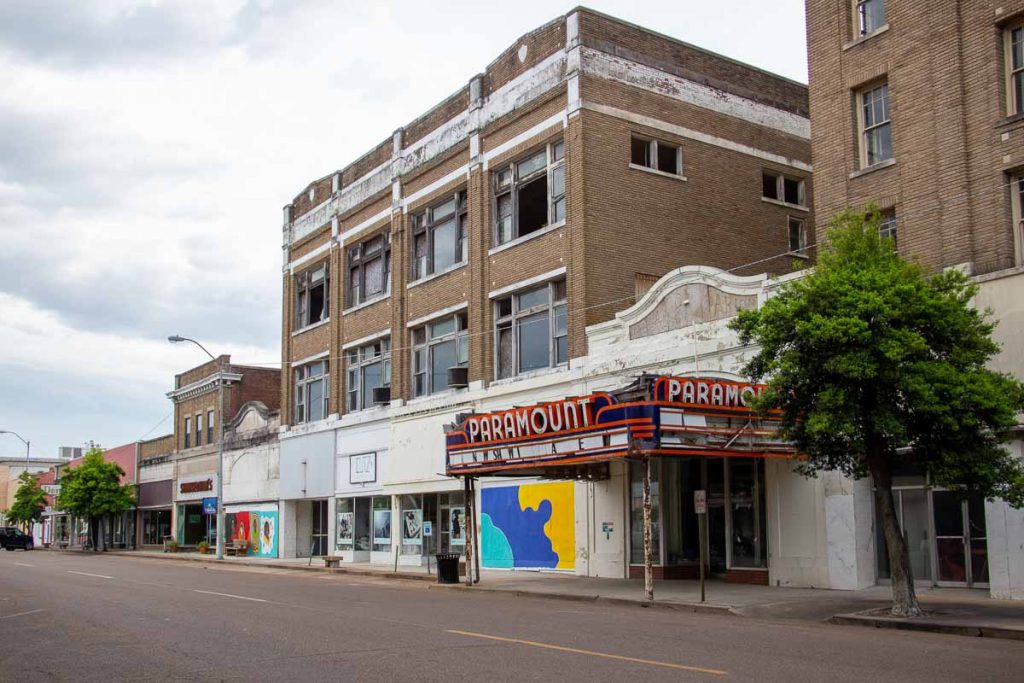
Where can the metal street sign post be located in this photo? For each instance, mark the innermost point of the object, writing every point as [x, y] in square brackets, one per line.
[700, 506]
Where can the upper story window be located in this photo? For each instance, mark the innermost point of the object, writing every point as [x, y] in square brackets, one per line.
[369, 269]
[530, 194]
[797, 236]
[875, 125]
[870, 16]
[437, 347]
[887, 224]
[531, 330]
[1017, 206]
[199, 429]
[656, 155]
[312, 391]
[311, 292]
[439, 236]
[782, 188]
[368, 368]
[188, 432]
[1014, 40]
[209, 426]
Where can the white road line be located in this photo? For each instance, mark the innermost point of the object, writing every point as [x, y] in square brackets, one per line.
[22, 564]
[229, 595]
[21, 614]
[98, 576]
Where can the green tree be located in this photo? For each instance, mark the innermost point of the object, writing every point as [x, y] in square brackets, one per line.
[876, 364]
[29, 501]
[93, 490]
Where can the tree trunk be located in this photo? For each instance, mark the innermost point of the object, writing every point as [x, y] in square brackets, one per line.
[648, 542]
[904, 599]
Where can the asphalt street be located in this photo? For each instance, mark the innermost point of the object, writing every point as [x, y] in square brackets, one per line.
[85, 617]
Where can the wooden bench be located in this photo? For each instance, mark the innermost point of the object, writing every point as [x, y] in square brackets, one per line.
[333, 561]
[236, 549]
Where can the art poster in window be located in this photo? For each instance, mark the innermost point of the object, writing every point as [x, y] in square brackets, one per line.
[346, 527]
[268, 534]
[382, 526]
[412, 526]
[458, 527]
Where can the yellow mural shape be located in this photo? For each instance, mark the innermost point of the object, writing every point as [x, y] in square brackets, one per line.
[561, 528]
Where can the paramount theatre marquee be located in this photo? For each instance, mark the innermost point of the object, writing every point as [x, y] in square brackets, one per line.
[658, 416]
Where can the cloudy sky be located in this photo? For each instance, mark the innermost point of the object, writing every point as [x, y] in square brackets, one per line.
[146, 150]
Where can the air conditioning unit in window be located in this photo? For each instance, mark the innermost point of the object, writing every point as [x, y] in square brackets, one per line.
[458, 378]
[381, 396]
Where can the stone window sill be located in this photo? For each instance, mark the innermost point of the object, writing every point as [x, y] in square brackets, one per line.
[367, 303]
[795, 207]
[526, 238]
[860, 40]
[307, 328]
[663, 174]
[871, 169]
[433, 276]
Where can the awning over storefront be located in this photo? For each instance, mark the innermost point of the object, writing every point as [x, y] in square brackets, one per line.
[657, 415]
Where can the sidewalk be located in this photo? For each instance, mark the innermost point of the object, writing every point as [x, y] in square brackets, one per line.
[956, 611]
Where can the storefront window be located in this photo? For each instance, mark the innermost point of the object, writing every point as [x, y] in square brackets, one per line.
[382, 524]
[636, 510]
[746, 501]
[346, 524]
[411, 525]
[452, 523]
[156, 524]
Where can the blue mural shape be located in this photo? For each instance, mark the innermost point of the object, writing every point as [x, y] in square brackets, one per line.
[521, 530]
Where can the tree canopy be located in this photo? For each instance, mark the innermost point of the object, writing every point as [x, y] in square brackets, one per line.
[93, 488]
[877, 365]
[29, 501]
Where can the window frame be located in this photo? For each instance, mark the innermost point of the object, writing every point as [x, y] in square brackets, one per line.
[864, 131]
[304, 285]
[188, 431]
[356, 365]
[554, 164]
[302, 383]
[801, 251]
[461, 337]
[888, 225]
[209, 426]
[1014, 95]
[424, 223]
[780, 188]
[860, 18]
[515, 314]
[652, 155]
[357, 260]
[199, 429]
[1017, 215]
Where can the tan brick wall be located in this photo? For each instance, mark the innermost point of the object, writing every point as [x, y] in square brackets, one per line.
[715, 217]
[314, 241]
[153, 448]
[423, 177]
[380, 154]
[507, 127]
[321, 192]
[539, 43]
[944, 64]
[427, 123]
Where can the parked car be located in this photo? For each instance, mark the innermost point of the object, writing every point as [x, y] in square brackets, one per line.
[12, 538]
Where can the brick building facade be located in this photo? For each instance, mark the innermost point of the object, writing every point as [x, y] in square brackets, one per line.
[918, 108]
[463, 257]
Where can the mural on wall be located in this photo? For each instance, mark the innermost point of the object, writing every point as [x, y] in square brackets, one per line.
[528, 526]
[258, 529]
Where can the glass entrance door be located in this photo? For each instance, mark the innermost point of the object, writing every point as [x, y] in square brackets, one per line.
[960, 539]
[318, 546]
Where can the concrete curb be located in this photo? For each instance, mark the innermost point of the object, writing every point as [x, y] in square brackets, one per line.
[173, 557]
[946, 627]
[692, 607]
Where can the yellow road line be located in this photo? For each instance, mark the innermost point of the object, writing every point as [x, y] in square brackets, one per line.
[560, 648]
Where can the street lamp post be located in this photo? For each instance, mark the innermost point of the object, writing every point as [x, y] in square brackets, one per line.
[220, 443]
[28, 444]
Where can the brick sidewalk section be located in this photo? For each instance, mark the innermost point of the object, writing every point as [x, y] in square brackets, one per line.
[954, 611]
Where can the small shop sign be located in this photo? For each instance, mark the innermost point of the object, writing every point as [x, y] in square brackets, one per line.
[362, 468]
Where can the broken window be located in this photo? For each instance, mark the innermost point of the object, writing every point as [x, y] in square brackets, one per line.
[437, 347]
[311, 296]
[782, 188]
[797, 236]
[530, 194]
[369, 367]
[439, 236]
[311, 392]
[532, 330]
[369, 269]
[656, 155]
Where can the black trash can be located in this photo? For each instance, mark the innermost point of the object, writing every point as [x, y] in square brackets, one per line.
[447, 567]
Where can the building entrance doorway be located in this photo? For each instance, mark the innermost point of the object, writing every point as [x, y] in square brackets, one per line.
[318, 545]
